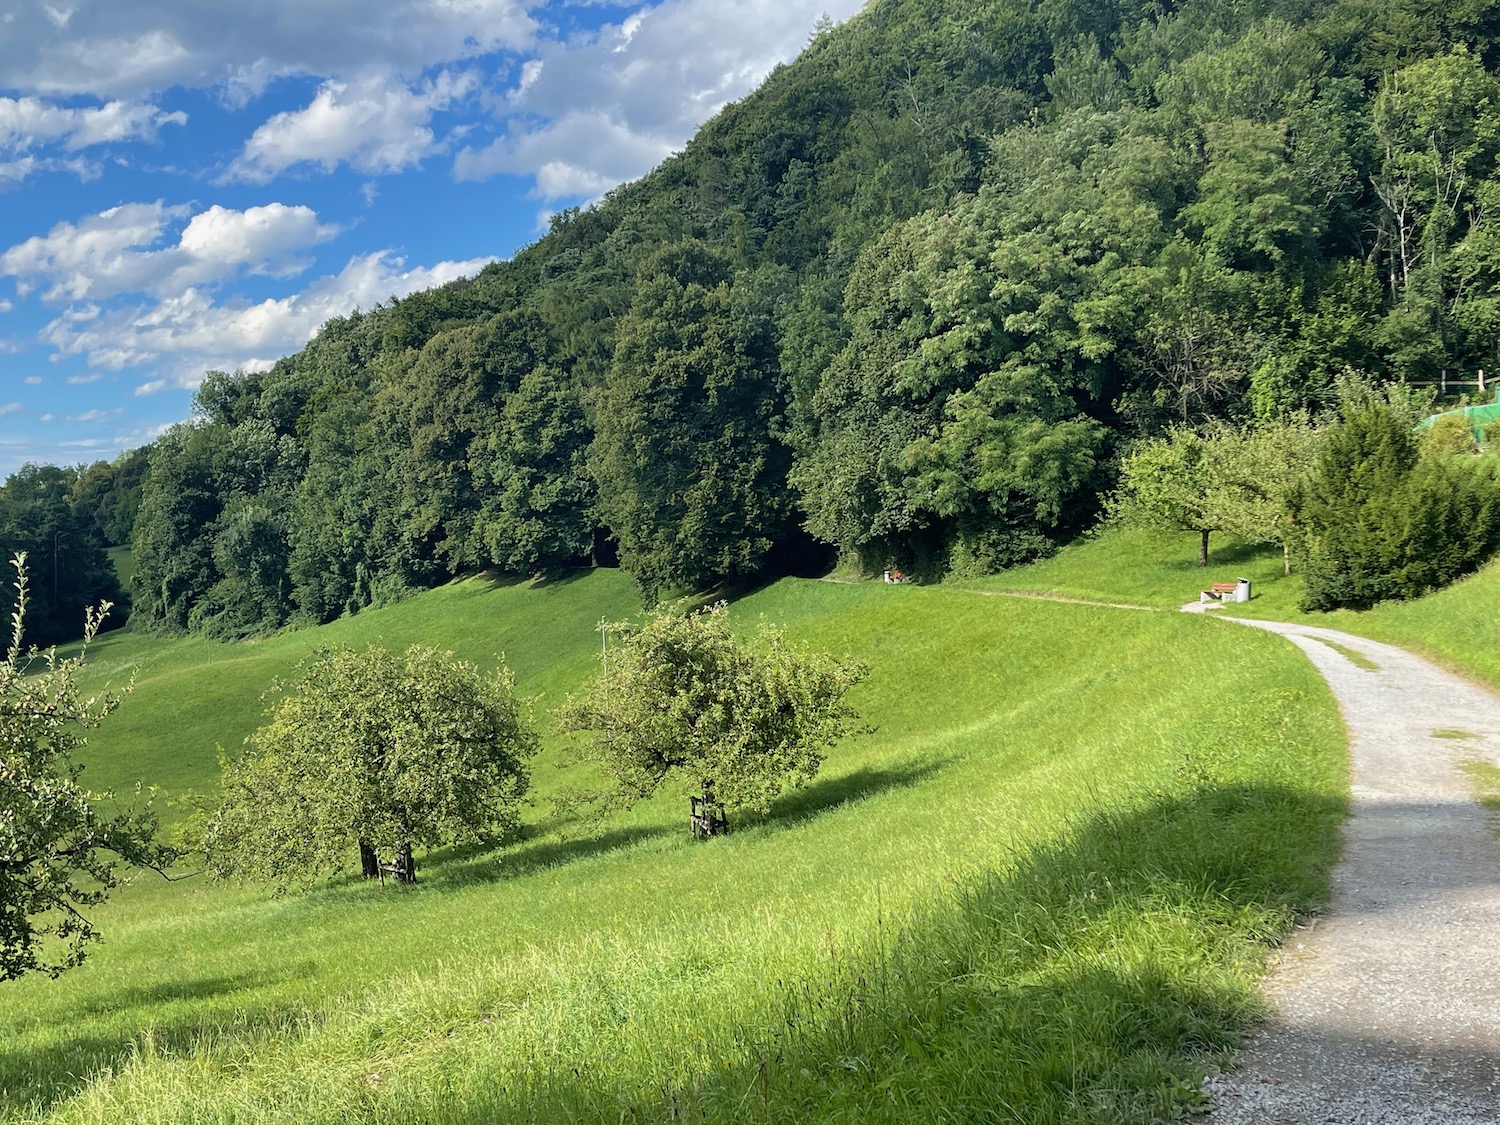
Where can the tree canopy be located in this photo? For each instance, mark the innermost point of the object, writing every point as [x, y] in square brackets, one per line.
[737, 721]
[909, 303]
[374, 753]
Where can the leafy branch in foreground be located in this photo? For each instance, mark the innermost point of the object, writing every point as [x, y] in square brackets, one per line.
[736, 722]
[60, 846]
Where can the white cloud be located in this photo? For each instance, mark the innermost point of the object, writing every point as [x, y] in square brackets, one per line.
[128, 249]
[122, 48]
[376, 124]
[80, 380]
[604, 108]
[33, 380]
[185, 334]
[27, 123]
[5, 306]
[10, 408]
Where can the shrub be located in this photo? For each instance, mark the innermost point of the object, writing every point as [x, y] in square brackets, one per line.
[1380, 520]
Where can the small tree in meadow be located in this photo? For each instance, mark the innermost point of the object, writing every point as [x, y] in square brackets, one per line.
[60, 844]
[1255, 473]
[1168, 484]
[735, 721]
[375, 751]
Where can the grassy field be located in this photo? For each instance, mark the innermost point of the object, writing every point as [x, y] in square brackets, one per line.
[1458, 627]
[1040, 890]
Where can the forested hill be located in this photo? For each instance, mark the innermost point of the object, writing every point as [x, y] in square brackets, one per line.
[903, 304]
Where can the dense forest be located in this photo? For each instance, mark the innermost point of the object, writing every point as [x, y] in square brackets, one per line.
[906, 305]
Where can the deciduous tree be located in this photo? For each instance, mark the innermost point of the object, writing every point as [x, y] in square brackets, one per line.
[378, 752]
[60, 843]
[734, 721]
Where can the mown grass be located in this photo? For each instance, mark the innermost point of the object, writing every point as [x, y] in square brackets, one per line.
[1041, 890]
[1457, 627]
[1137, 567]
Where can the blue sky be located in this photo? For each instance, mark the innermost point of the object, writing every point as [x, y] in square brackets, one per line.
[189, 186]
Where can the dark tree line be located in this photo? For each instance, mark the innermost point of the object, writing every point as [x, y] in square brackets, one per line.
[906, 305]
[62, 520]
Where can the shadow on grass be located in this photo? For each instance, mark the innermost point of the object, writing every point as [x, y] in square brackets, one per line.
[452, 868]
[831, 792]
[552, 576]
[1083, 982]
[36, 1078]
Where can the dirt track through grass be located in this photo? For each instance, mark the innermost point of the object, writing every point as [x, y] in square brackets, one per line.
[1388, 1007]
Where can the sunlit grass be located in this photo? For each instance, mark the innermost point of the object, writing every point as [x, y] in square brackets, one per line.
[1458, 626]
[1039, 890]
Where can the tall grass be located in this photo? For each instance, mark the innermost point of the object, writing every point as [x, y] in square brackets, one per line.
[1040, 890]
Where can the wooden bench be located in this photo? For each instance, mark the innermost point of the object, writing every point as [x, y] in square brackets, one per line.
[1218, 591]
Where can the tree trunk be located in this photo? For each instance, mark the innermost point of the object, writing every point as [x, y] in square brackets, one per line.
[369, 862]
[1286, 558]
[1203, 548]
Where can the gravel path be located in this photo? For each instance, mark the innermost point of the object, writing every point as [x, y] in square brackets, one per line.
[1388, 1006]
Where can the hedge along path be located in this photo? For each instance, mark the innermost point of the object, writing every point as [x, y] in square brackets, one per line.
[1387, 1008]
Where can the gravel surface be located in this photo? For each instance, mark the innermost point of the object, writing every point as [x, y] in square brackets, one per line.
[1388, 1006]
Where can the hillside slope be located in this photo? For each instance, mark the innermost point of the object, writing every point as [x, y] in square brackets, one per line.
[1457, 626]
[1040, 889]
[902, 306]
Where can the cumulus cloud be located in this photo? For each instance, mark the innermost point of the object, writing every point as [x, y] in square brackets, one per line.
[128, 249]
[600, 109]
[186, 333]
[124, 48]
[375, 124]
[27, 123]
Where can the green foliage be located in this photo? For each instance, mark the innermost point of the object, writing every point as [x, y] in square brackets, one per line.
[108, 493]
[60, 843]
[1450, 435]
[1239, 481]
[910, 298]
[71, 570]
[1256, 472]
[692, 478]
[1166, 484]
[375, 750]
[1378, 520]
[684, 699]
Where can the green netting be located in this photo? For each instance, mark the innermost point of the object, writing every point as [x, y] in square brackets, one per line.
[1478, 417]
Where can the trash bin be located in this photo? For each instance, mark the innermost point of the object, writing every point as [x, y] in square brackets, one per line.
[1242, 589]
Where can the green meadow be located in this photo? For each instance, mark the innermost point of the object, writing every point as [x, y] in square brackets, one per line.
[1040, 887]
[1457, 626]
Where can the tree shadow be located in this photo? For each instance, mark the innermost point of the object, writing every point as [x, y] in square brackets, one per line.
[1089, 980]
[546, 578]
[456, 867]
[36, 1078]
[830, 792]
